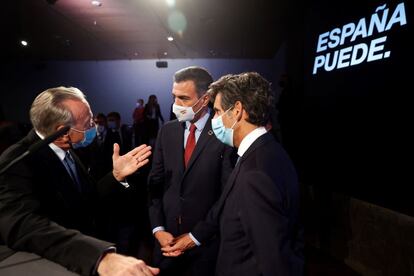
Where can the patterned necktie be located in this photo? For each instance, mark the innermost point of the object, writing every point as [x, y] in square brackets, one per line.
[189, 147]
[71, 168]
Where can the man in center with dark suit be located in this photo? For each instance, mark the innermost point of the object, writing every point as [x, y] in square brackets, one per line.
[190, 167]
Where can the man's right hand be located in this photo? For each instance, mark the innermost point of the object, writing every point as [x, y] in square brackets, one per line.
[164, 237]
[114, 264]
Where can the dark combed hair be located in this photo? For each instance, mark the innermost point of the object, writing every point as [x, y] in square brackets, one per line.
[251, 89]
[200, 76]
[114, 114]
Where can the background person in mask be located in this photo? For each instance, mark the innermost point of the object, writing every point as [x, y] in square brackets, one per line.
[118, 132]
[190, 167]
[48, 201]
[138, 117]
[258, 211]
[153, 114]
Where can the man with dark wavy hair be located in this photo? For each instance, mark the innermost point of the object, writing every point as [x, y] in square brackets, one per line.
[257, 213]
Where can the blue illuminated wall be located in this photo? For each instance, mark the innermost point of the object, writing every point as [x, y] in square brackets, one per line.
[115, 85]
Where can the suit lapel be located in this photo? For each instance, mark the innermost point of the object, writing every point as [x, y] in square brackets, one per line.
[177, 142]
[262, 140]
[86, 180]
[55, 167]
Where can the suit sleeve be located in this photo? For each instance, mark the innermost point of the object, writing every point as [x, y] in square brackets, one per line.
[229, 159]
[24, 228]
[209, 227]
[156, 181]
[266, 223]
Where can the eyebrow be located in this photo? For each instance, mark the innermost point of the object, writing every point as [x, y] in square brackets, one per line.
[182, 97]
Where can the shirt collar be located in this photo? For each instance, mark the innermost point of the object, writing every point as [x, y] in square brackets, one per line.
[201, 123]
[249, 139]
[59, 152]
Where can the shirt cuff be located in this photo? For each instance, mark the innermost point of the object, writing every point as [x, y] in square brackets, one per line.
[158, 228]
[194, 239]
[124, 183]
[111, 249]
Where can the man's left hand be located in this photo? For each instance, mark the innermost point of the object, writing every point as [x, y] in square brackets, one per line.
[128, 163]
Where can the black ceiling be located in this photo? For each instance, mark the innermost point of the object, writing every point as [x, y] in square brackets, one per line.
[138, 29]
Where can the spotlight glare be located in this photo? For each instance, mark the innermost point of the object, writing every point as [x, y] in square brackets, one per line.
[170, 3]
[96, 3]
[24, 43]
[170, 38]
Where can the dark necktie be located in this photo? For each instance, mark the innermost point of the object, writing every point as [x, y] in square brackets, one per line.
[189, 147]
[71, 168]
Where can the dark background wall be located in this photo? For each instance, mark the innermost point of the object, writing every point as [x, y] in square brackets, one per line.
[115, 85]
[356, 123]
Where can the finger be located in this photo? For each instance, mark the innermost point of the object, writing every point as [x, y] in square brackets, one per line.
[154, 270]
[173, 254]
[116, 151]
[137, 149]
[172, 248]
[142, 163]
[146, 271]
[165, 247]
[144, 156]
[143, 151]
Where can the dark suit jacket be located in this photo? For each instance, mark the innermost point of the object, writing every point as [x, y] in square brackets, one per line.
[259, 208]
[42, 211]
[181, 198]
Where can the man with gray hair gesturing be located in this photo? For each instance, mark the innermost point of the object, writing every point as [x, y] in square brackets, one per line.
[48, 201]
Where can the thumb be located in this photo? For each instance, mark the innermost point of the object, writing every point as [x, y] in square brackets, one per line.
[154, 270]
[116, 151]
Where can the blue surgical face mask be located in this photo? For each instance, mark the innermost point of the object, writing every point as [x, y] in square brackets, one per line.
[88, 136]
[225, 135]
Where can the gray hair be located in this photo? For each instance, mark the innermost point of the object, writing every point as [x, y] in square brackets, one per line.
[48, 109]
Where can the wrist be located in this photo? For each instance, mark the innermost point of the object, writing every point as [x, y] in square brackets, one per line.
[118, 176]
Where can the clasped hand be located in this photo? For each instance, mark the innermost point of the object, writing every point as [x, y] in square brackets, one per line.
[174, 247]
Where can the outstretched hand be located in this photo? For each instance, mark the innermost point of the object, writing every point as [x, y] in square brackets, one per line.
[128, 163]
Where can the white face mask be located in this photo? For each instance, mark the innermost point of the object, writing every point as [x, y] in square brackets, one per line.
[185, 113]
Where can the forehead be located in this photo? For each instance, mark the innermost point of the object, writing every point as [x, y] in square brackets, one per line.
[184, 88]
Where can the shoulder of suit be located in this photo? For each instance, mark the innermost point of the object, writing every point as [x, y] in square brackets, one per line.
[172, 124]
[20, 147]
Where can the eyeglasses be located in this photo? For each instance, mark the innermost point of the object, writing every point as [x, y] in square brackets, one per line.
[89, 125]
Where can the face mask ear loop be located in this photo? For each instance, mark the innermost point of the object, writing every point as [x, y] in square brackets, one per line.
[195, 112]
[235, 121]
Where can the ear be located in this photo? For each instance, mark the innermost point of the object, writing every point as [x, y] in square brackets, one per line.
[238, 110]
[64, 137]
[206, 99]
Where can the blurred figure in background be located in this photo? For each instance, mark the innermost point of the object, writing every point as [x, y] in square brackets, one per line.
[152, 116]
[118, 132]
[138, 117]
